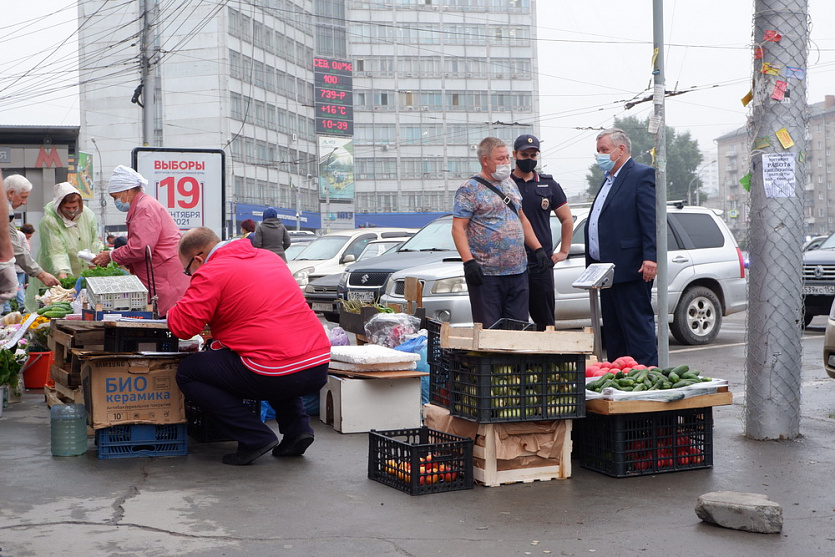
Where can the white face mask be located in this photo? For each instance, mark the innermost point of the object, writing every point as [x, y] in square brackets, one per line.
[502, 172]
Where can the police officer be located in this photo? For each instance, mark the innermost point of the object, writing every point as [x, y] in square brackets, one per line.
[541, 195]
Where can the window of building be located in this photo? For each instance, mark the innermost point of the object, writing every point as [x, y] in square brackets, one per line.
[235, 106]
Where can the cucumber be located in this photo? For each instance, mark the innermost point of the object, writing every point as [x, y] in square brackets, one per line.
[56, 313]
[44, 309]
[673, 377]
[690, 375]
[678, 370]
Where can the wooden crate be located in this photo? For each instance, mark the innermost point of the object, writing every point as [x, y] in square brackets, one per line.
[607, 407]
[478, 339]
[68, 339]
[489, 468]
[486, 466]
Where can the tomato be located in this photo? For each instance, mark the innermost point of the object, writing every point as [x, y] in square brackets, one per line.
[600, 372]
[683, 457]
[626, 369]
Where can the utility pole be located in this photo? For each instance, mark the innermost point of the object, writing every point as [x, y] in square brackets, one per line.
[776, 131]
[149, 16]
[101, 189]
[658, 120]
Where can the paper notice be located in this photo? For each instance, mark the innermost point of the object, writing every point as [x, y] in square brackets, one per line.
[778, 174]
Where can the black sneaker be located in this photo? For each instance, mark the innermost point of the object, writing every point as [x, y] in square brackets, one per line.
[243, 458]
[295, 446]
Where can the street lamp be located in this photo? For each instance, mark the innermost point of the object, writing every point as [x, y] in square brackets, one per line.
[696, 177]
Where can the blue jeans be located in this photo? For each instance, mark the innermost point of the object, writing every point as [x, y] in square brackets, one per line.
[19, 297]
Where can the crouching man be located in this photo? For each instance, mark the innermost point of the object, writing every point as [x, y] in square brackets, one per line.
[267, 344]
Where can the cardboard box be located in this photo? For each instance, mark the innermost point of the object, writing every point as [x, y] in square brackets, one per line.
[92, 315]
[132, 389]
[510, 452]
[360, 405]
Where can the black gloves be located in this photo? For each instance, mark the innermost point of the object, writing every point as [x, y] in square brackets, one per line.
[472, 273]
[542, 258]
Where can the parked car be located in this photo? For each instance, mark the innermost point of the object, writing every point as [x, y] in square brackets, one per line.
[328, 254]
[829, 345]
[297, 243]
[430, 244]
[819, 279]
[706, 277]
[814, 243]
[320, 294]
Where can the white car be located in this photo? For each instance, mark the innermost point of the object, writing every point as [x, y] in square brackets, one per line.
[328, 254]
[706, 277]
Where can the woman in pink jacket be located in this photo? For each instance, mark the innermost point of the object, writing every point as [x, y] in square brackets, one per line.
[149, 224]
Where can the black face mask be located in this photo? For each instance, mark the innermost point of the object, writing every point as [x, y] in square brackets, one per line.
[526, 165]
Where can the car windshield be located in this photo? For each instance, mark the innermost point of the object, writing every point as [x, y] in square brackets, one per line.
[377, 248]
[829, 243]
[295, 249]
[435, 236]
[325, 247]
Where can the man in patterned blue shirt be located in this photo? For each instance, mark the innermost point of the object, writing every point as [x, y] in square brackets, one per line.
[490, 232]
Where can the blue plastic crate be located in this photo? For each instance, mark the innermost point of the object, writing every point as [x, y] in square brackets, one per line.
[135, 440]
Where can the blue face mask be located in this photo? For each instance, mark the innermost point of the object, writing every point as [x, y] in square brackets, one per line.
[121, 205]
[604, 162]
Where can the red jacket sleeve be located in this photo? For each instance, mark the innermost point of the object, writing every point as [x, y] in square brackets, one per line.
[198, 305]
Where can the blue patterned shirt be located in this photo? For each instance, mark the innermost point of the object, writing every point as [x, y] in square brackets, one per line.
[494, 233]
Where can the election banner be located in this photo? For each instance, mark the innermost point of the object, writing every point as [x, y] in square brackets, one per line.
[189, 183]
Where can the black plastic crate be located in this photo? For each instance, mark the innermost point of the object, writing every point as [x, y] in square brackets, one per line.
[492, 387]
[440, 461]
[623, 445]
[433, 342]
[123, 339]
[142, 440]
[204, 428]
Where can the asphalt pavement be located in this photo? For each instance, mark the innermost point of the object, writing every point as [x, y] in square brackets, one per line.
[322, 504]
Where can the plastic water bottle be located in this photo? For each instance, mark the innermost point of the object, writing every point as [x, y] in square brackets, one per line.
[68, 424]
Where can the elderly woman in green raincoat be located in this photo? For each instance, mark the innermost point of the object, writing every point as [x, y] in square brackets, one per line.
[67, 227]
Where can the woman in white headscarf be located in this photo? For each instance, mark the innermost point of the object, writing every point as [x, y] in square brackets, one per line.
[149, 224]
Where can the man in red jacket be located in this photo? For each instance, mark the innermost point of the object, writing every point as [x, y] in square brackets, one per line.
[267, 344]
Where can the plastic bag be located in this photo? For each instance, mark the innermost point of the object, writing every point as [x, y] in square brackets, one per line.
[391, 329]
[339, 337]
[417, 345]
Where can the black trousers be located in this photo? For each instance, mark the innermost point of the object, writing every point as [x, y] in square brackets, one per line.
[218, 381]
[629, 322]
[541, 296]
[500, 296]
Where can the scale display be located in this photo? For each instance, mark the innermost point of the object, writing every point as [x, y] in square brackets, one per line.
[596, 275]
[334, 96]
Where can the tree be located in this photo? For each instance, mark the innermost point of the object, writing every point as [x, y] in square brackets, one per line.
[683, 159]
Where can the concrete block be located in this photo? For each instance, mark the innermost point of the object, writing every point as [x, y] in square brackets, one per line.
[751, 512]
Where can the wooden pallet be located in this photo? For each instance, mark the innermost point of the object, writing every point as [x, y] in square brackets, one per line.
[491, 476]
[498, 340]
[60, 394]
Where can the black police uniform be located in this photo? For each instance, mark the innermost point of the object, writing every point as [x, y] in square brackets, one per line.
[540, 196]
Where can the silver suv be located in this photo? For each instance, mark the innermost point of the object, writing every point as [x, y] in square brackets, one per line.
[706, 277]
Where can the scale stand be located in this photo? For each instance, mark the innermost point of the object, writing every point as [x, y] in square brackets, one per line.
[596, 277]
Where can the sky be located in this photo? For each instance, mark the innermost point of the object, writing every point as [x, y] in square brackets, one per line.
[594, 56]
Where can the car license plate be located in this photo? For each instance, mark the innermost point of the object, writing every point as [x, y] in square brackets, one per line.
[319, 306]
[362, 296]
[824, 289]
